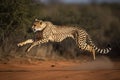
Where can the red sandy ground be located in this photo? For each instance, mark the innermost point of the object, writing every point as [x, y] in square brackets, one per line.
[101, 69]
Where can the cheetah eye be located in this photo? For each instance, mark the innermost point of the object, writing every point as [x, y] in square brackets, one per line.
[34, 25]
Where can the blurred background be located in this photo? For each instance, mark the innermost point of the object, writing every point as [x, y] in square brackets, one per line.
[100, 18]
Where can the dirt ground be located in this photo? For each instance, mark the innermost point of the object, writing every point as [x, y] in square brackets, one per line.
[102, 68]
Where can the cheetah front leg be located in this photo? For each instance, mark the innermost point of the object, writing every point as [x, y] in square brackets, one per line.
[37, 43]
[25, 42]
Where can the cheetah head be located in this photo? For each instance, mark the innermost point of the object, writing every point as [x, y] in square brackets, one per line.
[38, 25]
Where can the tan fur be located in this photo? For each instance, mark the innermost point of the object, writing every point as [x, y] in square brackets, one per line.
[45, 31]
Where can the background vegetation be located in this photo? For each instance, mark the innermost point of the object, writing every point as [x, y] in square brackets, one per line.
[102, 22]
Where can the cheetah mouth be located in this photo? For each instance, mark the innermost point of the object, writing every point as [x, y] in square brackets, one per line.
[35, 30]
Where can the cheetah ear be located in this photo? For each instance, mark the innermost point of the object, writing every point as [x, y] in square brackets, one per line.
[36, 20]
[40, 21]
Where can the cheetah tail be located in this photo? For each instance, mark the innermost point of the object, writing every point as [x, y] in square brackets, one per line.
[102, 51]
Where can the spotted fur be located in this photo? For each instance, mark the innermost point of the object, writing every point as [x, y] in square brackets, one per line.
[54, 33]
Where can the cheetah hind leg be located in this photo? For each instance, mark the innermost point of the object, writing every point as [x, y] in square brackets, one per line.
[91, 50]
